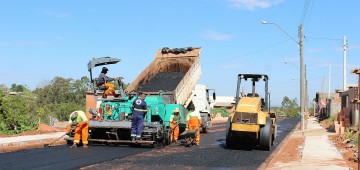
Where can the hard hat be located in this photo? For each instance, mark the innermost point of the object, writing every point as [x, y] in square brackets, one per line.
[176, 110]
[105, 68]
[73, 116]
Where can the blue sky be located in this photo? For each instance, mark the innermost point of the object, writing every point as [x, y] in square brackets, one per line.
[43, 39]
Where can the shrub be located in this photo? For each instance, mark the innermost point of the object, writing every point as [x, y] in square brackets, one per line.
[222, 110]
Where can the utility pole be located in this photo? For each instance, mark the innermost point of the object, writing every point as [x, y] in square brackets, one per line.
[302, 77]
[302, 82]
[329, 80]
[344, 80]
[306, 91]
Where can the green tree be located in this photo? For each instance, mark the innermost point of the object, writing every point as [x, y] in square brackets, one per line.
[62, 96]
[15, 116]
[290, 107]
[18, 88]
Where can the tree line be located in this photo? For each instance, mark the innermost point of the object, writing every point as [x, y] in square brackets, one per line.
[289, 108]
[25, 109]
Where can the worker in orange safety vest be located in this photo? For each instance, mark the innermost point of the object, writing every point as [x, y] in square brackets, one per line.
[193, 122]
[175, 119]
[80, 119]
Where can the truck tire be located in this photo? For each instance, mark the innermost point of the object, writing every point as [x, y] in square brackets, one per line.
[266, 135]
[229, 135]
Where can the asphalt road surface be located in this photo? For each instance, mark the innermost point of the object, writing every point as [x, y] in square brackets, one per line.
[211, 154]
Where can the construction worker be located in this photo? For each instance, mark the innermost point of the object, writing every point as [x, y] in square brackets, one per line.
[175, 119]
[140, 109]
[79, 118]
[108, 115]
[103, 81]
[193, 122]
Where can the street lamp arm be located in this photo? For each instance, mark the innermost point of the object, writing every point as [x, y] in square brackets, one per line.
[292, 64]
[264, 22]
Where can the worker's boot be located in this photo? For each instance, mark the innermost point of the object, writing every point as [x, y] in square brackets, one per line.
[85, 146]
[73, 146]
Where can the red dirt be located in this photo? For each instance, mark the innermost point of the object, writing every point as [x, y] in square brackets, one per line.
[42, 129]
[290, 151]
[347, 153]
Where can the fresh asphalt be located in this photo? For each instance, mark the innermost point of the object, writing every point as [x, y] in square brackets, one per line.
[210, 154]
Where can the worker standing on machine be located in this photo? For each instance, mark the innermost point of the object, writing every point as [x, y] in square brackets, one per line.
[175, 119]
[79, 118]
[193, 122]
[140, 109]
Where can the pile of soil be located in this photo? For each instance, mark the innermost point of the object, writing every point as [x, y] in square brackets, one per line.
[165, 81]
[347, 152]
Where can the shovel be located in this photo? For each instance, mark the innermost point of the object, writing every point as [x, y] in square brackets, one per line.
[50, 144]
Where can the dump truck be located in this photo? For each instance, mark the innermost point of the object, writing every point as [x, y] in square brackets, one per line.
[175, 73]
[168, 81]
[252, 122]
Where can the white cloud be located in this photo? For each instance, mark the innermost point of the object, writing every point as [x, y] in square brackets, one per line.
[213, 35]
[253, 4]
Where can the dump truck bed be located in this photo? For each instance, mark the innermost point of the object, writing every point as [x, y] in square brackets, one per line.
[176, 72]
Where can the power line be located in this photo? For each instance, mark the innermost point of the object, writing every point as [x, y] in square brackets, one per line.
[247, 54]
[305, 11]
[308, 19]
[323, 38]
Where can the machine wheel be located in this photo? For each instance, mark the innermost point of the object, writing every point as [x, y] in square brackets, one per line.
[204, 129]
[69, 142]
[229, 135]
[167, 137]
[266, 136]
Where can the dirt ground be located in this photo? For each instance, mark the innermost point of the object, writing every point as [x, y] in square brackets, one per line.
[42, 129]
[289, 151]
[348, 153]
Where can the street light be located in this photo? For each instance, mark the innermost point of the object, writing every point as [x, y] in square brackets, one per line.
[285, 62]
[302, 73]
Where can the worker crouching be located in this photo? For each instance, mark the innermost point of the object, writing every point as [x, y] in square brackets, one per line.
[193, 122]
[79, 119]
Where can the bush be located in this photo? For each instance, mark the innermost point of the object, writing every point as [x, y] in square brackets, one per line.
[222, 110]
[331, 120]
[349, 134]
